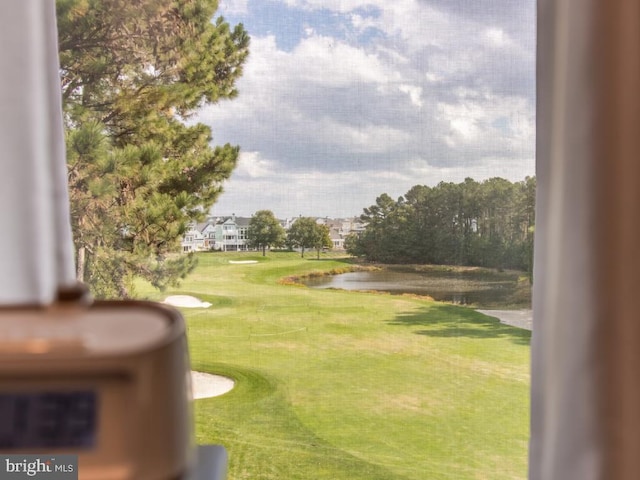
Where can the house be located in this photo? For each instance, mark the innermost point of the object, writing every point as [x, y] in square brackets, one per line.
[231, 234]
[193, 239]
[340, 229]
[209, 235]
[228, 234]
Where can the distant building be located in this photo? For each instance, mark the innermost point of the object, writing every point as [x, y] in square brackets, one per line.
[341, 228]
[229, 233]
[193, 239]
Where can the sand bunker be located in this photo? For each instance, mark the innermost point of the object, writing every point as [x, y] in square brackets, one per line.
[206, 385]
[244, 262]
[186, 301]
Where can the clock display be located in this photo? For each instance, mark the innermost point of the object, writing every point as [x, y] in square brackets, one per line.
[48, 419]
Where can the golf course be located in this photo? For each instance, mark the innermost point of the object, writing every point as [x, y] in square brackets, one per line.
[344, 385]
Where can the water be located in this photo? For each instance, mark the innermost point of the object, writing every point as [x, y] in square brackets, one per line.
[480, 289]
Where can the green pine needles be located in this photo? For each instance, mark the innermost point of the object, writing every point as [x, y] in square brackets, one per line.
[131, 74]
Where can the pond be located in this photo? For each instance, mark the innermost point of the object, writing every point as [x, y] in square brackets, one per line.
[474, 287]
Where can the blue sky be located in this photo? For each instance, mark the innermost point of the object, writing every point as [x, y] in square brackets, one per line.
[342, 100]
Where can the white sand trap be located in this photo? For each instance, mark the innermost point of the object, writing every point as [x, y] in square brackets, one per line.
[206, 385]
[186, 301]
[245, 262]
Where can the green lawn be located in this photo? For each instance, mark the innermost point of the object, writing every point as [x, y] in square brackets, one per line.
[347, 385]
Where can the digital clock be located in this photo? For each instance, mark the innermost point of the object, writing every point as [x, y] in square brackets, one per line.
[109, 382]
[48, 420]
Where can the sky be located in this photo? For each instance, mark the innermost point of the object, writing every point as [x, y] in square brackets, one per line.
[343, 100]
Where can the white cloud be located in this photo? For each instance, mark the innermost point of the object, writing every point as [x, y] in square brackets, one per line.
[332, 5]
[414, 92]
[464, 120]
[368, 138]
[251, 164]
[227, 7]
[346, 193]
[293, 94]
[513, 169]
[433, 77]
[496, 37]
[313, 193]
[453, 64]
[361, 23]
[332, 121]
[274, 79]
[326, 60]
[392, 56]
[484, 122]
[416, 22]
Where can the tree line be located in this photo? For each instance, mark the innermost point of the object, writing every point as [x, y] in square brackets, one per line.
[488, 224]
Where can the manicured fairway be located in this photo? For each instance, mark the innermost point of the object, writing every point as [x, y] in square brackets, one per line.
[347, 385]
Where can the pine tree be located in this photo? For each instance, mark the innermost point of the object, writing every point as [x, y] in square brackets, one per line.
[133, 72]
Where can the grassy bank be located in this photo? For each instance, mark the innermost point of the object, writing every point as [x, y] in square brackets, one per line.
[347, 385]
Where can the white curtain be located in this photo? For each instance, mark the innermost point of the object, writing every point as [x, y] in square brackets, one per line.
[585, 409]
[36, 256]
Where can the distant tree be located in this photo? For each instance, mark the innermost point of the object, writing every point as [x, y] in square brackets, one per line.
[525, 219]
[353, 246]
[322, 239]
[386, 236]
[265, 231]
[306, 233]
[489, 223]
[131, 73]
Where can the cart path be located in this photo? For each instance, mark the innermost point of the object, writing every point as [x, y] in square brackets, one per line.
[515, 318]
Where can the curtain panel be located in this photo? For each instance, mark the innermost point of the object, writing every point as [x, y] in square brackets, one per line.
[36, 249]
[585, 407]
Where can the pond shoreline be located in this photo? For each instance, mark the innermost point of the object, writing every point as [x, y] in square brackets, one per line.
[410, 268]
[474, 287]
[300, 279]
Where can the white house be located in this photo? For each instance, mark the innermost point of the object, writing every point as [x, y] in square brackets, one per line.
[231, 234]
[194, 239]
[221, 233]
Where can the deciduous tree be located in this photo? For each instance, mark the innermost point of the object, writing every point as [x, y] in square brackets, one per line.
[322, 239]
[265, 231]
[307, 233]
